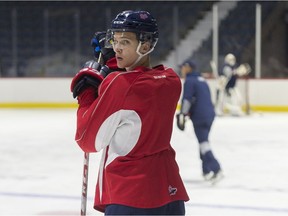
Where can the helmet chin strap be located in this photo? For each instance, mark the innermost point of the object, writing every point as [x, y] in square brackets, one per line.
[140, 55]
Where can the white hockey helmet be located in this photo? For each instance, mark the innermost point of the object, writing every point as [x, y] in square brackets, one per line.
[230, 59]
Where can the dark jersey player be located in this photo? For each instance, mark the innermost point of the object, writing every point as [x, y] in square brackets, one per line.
[196, 103]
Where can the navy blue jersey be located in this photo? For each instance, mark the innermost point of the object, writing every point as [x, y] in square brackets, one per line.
[197, 92]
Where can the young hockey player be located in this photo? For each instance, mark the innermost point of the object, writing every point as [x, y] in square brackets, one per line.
[129, 116]
[197, 104]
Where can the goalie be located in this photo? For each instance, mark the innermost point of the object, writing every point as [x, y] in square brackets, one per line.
[228, 97]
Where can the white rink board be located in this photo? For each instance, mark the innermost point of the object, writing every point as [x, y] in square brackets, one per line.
[261, 92]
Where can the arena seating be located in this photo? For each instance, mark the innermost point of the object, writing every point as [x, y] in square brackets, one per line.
[235, 33]
[49, 42]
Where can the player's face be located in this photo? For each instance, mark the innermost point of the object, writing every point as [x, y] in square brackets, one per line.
[125, 45]
[185, 69]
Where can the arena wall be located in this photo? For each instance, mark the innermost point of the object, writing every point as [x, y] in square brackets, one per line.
[261, 94]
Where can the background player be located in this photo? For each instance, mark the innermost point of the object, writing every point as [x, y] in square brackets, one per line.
[138, 172]
[197, 104]
[228, 97]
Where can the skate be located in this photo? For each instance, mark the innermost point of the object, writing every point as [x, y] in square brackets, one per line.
[213, 178]
[211, 168]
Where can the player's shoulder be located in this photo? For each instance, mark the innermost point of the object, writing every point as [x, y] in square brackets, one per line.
[111, 76]
[164, 69]
[166, 72]
[121, 79]
[109, 81]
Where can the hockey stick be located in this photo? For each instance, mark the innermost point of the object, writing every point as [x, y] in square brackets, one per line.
[85, 174]
[85, 184]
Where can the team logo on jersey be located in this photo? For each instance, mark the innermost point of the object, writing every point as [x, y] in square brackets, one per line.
[172, 191]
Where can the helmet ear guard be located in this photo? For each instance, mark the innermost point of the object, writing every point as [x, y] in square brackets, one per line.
[148, 37]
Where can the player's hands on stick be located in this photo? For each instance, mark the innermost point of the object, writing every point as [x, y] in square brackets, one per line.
[92, 72]
[107, 54]
[181, 121]
[88, 76]
[98, 44]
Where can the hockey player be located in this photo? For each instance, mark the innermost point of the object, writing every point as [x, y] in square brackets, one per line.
[228, 98]
[196, 103]
[123, 117]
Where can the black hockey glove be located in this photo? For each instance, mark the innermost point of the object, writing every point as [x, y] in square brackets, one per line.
[98, 44]
[88, 76]
[181, 121]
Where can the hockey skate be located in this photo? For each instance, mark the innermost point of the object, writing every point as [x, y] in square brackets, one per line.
[211, 168]
[213, 178]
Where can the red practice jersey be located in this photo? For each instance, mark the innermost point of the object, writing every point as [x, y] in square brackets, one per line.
[131, 121]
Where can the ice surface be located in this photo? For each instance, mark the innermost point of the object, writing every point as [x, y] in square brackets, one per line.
[41, 165]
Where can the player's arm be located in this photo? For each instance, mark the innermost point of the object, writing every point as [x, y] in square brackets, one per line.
[181, 117]
[188, 93]
[85, 87]
[100, 119]
[88, 79]
[243, 69]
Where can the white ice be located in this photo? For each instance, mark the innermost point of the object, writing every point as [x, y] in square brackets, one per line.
[41, 165]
